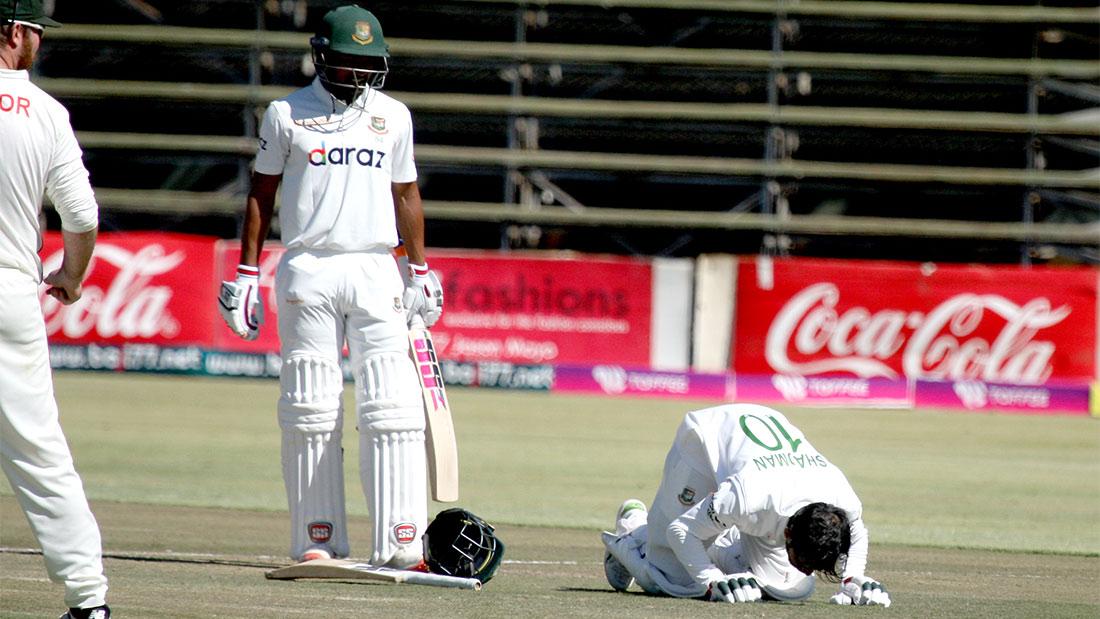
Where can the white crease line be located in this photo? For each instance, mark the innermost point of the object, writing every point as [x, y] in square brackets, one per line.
[520, 562]
[170, 554]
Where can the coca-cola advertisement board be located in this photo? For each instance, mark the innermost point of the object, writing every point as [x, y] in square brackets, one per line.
[140, 288]
[997, 324]
[543, 308]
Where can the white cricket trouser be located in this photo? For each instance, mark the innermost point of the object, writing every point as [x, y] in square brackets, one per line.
[326, 299]
[661, 570]
[731, 553]
[33, 451]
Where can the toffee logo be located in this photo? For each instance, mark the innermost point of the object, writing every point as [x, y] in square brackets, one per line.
[792, 388]
[972, 393]
[611, 378]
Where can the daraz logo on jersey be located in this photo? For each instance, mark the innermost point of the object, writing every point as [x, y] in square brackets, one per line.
[348, 155]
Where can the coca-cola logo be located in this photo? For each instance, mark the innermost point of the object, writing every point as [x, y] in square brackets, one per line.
[810, 335]
[129, 305]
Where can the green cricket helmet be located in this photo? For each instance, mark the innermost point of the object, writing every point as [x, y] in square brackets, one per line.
[458, 543]
[349, 51]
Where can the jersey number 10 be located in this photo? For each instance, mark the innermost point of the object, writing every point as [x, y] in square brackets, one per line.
[771, 425]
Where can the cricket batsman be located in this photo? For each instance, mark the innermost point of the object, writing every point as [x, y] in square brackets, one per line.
[39, 154]
[343, 152]
[747, 510]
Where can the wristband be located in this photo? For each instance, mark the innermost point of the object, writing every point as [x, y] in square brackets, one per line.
[244, 270]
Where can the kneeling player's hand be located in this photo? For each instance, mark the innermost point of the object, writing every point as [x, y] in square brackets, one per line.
[861, 591]
[735, 588]
[240, 305]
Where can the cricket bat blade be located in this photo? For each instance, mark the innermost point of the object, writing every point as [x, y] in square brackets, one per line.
[442, 445]
[345, 569]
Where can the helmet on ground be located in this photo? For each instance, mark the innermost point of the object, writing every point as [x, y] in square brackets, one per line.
[349, 51]
[458, 543]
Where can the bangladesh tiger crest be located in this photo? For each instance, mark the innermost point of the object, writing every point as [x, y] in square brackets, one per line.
[363, 34]
[378, 124]
[687, 496]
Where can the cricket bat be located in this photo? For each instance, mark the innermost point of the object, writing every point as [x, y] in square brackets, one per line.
[442, 447]
[344, 569]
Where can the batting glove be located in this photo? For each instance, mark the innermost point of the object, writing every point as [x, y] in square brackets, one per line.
[861, 591]
[734, 588]
[240, 304]
[424, 295]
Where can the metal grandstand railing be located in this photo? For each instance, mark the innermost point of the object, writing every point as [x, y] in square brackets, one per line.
[523, 160]
[916, 11]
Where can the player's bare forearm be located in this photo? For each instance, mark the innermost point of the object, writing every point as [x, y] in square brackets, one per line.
[410, 219]
[66, 283]
[78, 253]
[259, 209]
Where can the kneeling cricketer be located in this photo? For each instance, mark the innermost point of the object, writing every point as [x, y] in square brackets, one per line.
[747, 510]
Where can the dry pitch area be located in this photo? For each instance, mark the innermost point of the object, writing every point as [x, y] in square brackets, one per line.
[970, 515]
[201, 562]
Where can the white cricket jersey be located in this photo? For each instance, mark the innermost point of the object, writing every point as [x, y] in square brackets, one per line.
[740, 466]
[38, 154]
[338, 163]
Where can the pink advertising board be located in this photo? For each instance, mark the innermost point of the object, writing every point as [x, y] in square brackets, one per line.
[543, 308]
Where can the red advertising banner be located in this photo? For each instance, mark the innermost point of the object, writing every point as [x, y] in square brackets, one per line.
[918, 321]
[141, 288]
[543, 308]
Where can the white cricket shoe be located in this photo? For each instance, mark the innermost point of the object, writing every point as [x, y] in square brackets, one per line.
[631, 514]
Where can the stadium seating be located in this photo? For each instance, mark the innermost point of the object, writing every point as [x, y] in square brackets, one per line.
[677, 127]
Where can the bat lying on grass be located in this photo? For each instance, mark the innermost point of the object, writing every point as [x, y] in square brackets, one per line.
[345, 569]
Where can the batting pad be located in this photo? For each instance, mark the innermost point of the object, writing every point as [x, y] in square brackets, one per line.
[310, 416]
[393, 459]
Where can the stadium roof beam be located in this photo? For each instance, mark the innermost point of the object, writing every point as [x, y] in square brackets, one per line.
[564, 53]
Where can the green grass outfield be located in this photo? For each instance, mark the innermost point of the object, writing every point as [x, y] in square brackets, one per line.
[971, 515]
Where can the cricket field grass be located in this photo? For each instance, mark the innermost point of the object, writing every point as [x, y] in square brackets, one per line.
[971, 515]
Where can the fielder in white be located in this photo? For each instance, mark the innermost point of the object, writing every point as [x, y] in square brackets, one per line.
[747, 510]
[39, 154]
[343, 151]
